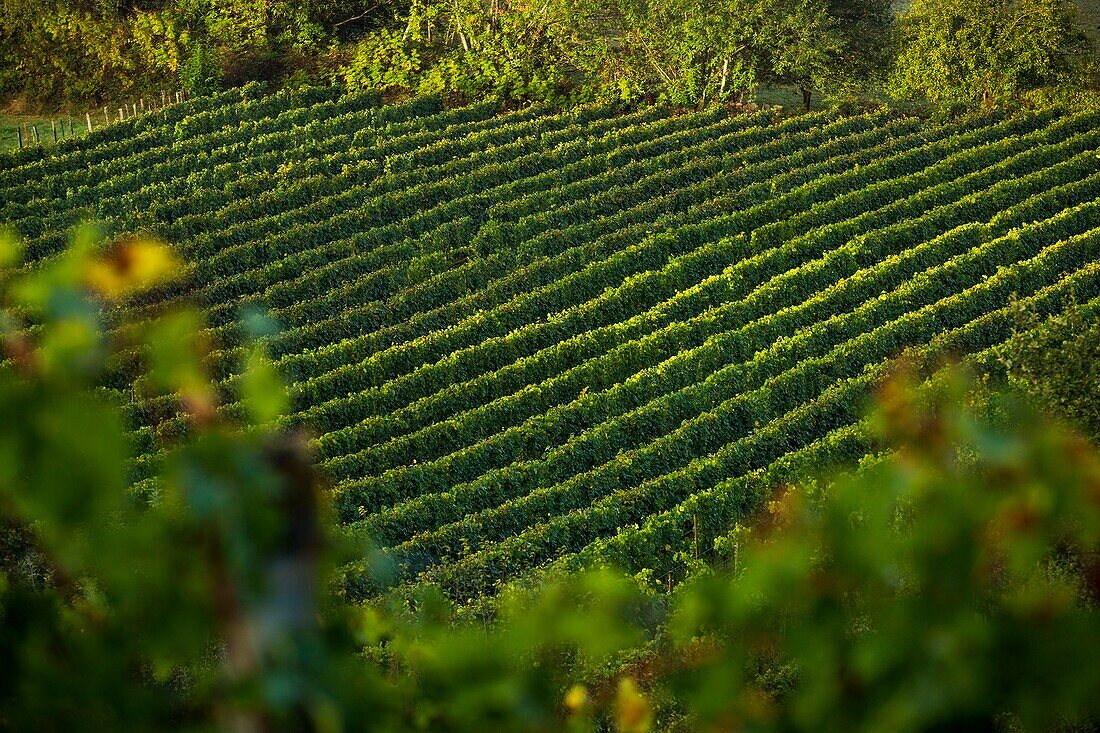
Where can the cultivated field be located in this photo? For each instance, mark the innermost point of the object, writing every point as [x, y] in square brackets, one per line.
[527, 339]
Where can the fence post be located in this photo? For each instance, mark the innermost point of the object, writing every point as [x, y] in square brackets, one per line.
[121, 113]
[695, 532]
[88, 117]
[142, 103]
[19, 133]
[53, 129]
[37, 139]
[106, 117]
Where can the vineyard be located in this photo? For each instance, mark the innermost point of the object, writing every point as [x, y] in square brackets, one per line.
[529, 340]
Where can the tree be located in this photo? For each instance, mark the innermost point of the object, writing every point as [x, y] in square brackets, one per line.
[475, 48]
[964, 52]
[689, 52]
[866, 28]
[808, 46]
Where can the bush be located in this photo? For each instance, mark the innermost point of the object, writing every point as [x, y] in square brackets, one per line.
[201, 73]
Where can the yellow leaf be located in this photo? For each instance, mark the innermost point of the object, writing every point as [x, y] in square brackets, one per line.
[576, 699]
[131, 267]
[633, 713]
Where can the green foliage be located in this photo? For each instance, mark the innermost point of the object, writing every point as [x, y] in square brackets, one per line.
[987, 51]
[201, 73]
[921, 592]
[59, 51]
[1055, 362]
[949, 582]
[538, 338]
[469, 48]
[689, 52]
[70, 52]
[683, 52]
[384, 61]
[868, 30]
[204, 606]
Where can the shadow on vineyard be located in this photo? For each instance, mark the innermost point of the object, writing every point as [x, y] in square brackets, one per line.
[948, 581]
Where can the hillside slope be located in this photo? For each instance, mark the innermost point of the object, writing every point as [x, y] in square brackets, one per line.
[528, 339]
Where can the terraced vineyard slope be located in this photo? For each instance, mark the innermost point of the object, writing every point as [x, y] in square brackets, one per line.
[530, 340]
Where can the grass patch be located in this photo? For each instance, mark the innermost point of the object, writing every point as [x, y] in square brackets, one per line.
[9, 124]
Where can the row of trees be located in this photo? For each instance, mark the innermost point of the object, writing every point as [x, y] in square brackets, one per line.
[58, 51]
[689, 52]
[681, 51]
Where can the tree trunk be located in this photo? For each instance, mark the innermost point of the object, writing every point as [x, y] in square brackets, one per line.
[806, 94]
